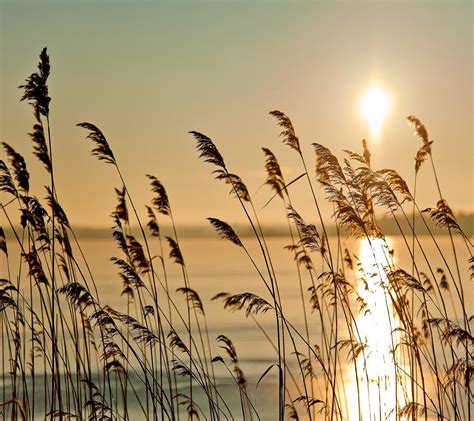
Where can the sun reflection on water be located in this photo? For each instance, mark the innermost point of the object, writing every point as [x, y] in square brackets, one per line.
[381, 388]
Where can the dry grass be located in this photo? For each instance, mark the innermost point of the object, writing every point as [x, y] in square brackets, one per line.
[91, 360]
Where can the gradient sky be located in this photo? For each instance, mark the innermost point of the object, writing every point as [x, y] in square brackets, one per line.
[147, 72]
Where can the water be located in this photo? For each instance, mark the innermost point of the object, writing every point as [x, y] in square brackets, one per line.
[216, 266]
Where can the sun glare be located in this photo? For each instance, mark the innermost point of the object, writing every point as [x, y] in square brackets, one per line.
[375, 105]
[376, 329]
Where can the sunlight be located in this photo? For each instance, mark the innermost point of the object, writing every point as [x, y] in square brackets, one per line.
[378, 386]
[374, 106]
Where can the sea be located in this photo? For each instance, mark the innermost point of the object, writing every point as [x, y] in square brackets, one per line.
[214, 266]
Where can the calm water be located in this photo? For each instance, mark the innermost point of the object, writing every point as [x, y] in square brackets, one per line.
[217, 266]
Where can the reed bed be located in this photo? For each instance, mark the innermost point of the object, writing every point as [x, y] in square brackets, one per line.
[395, 341]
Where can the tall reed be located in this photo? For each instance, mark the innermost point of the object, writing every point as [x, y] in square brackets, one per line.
[66, 353]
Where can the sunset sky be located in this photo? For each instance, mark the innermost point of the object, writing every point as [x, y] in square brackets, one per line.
[147, 72]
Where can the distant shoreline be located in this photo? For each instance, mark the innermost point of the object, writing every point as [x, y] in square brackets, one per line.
[388, 226]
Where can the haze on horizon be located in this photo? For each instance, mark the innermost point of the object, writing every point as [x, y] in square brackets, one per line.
[146, 73]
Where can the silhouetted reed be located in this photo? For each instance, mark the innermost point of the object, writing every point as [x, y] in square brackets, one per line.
[92, 360]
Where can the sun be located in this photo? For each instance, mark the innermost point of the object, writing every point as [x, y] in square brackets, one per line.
[374, 106]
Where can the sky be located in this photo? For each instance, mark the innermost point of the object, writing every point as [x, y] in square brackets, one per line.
[148, 72]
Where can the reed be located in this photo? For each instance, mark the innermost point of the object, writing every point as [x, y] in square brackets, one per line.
[65, 353]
